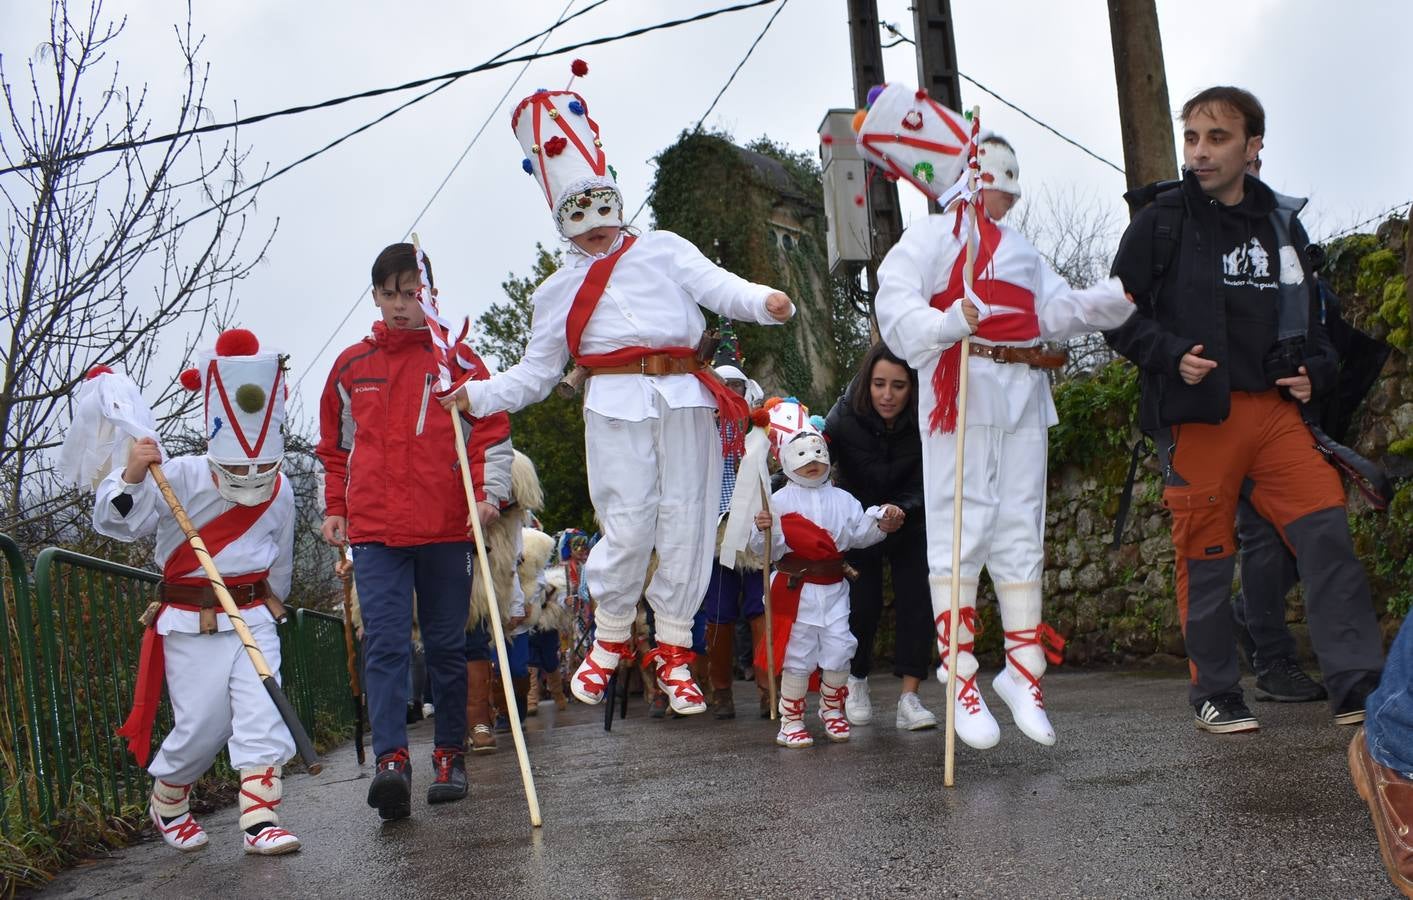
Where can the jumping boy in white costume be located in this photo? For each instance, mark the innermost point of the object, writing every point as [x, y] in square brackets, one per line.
[1018, 302]
[625, 308]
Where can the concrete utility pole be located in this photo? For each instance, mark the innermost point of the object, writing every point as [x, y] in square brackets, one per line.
[937, 52]
[1145, 116]
[866, 44]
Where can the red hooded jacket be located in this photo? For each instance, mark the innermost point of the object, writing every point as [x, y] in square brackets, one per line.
[388, 448]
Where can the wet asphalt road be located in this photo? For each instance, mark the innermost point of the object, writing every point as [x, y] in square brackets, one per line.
[1133, 801]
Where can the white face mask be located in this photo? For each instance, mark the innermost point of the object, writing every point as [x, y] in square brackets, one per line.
[588, 210]
[247, 490]
[802, 451]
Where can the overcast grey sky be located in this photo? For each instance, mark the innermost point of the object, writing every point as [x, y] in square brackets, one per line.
[1333, 77]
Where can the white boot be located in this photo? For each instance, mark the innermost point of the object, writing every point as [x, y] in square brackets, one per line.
[260, 791]
[1030, 643]
[858, 706]
[590, 680]
[975, 725]
[793, 733]
[170, 810]
[833, 689]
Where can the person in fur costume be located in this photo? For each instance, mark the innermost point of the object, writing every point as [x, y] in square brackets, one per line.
[503, 549]
[546, 616]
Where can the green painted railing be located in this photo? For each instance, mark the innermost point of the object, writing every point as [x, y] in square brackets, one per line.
[69, 646]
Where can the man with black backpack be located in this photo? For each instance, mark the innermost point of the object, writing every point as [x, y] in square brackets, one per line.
[1230, 346]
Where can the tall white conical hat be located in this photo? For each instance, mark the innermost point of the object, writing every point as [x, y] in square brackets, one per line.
[244, 390]
[565, 155]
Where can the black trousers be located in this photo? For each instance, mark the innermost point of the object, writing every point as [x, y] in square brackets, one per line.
[906, 555]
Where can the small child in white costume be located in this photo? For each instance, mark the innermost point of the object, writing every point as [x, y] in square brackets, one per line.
[240, 502]
[809, 599]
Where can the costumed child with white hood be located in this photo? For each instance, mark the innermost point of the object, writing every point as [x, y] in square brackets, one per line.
[625, 309]
[812, 524]
[924, 310]
[243, 506]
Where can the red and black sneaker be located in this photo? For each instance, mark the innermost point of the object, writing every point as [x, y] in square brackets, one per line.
[391, 791]
[449, 766]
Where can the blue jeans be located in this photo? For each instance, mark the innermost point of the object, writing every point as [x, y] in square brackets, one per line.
[440, 574]
[1389, 726]
[733, 594]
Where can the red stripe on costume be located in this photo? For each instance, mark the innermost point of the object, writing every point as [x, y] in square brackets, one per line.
[217, 534]
[586, 299]
[811, 542]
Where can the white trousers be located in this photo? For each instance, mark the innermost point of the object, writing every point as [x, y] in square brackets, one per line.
[218, 700]
[655, 484]
[1003, 502]
[828, 647]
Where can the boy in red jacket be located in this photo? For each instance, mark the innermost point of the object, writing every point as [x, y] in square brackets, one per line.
[399, 501]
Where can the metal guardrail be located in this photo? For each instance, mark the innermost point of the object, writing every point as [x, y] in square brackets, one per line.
[69, 645]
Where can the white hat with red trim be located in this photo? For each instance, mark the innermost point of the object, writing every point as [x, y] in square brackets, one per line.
[796, 439]
[565, 155]
[910, 136]
[243, 388]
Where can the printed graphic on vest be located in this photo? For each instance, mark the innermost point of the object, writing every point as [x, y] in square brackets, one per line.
[1248, 265]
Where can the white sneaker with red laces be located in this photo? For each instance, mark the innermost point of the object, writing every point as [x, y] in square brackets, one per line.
[271, 840]
[182, 833]
[975, 724]
[1027, 706]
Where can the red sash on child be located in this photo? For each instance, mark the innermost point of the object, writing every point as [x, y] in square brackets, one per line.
[807, 540]
[217, 534]
[730, 407]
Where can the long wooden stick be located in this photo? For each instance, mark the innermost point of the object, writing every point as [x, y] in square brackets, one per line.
[769, 628]
[351, 657]
[302, 742]
[517, 734]
[969, 278]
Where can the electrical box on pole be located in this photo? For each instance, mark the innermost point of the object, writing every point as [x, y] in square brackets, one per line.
[845, 193]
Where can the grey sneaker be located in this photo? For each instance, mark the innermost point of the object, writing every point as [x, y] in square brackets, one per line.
[912, 715]
[857, 706]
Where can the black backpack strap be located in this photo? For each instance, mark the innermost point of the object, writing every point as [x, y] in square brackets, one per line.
[1140, 450]
[1168, 213]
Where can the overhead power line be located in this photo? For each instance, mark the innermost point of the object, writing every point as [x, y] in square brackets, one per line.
[545, 35]
[448, 77]
[730, 78]
[902, 38]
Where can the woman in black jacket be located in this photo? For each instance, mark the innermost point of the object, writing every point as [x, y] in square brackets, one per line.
[877, 455]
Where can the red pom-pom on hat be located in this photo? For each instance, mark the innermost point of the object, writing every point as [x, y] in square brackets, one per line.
[921, 94]
[190, 379]
[826, 139]
[579, 68]
[760, 417]
[237, 342]
[98, 370]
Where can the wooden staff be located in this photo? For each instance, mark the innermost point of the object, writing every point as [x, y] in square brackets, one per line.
[969, 278]
[352, 658]
[502, 656]
[769, 628]
[302, 742]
